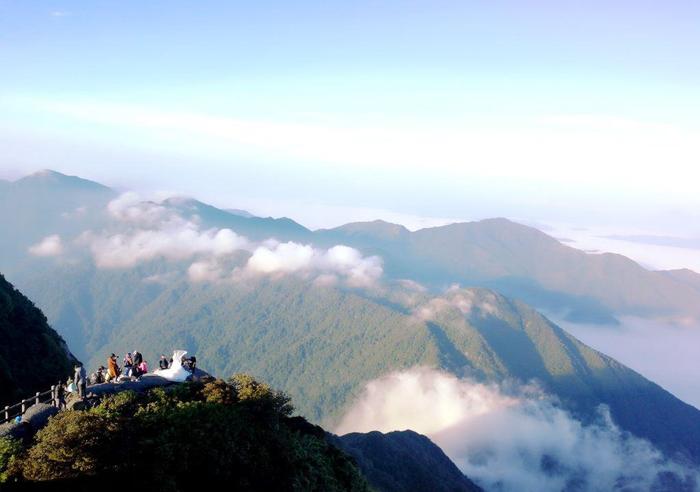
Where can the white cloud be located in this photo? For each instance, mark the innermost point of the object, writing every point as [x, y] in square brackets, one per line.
[147, 230]
[343, 261]
[421, 399]
[205, 271]
[130, 207]
[463, 300]
[284, 257]
[360, 270]
[514, 439]
[179, 242]
[49, 246]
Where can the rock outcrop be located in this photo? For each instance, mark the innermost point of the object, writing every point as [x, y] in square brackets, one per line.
[34, 419]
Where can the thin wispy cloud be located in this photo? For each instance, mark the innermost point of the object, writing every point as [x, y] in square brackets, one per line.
[49, 246]
[535, 150]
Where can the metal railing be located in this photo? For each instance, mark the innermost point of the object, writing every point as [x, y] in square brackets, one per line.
[12, 411]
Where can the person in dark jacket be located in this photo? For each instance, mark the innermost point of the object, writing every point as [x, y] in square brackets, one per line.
[163, 363]
[137, 360]
[97, 377]
[80, 379]
[61, 395]
[189, 363]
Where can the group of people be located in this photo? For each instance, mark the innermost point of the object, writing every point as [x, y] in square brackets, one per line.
[133, 367]
[189, 363]
[134, 364]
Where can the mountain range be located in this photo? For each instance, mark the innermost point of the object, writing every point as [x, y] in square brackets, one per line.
[388, 300]
[515, 259]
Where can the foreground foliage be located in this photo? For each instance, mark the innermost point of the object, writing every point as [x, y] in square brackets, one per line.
[239, 432]
[9, 450]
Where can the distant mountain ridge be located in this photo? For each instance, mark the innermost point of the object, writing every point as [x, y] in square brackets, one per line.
[43, 204]
[238, 211]
[685, 276]
[515, 259]
[522, 262]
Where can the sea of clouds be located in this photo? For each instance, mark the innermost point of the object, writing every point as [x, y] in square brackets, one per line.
[513, 438]
[142, 231]
[662, 351]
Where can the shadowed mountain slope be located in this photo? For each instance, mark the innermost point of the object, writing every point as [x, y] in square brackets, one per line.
[32, 355]
[403, 462]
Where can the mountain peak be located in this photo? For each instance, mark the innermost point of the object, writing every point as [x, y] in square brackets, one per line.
[376, 227]
[47, 172]
[55, 178]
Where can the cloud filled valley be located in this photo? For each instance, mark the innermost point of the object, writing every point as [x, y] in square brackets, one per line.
[514, 438]
[662, 351]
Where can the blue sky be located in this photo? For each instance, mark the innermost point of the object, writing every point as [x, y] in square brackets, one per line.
[582, 113]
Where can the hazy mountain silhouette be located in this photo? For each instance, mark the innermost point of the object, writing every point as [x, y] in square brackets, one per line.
[517, 260]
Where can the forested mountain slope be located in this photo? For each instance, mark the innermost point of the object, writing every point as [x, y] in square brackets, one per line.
[403, 461]
[32, 355]
[321, 344]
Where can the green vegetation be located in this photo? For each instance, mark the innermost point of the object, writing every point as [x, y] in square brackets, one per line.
[32, 355]
[9, 450]
[237, 432]
[322, 344]
[404, 461]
